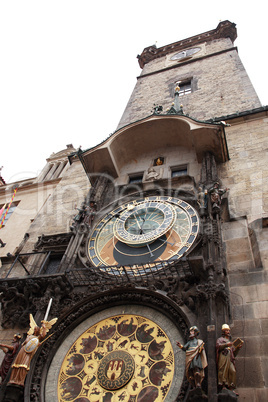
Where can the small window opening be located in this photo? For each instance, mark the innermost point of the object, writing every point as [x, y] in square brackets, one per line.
[52, 265]
[9, 212]
[136, 179]
[185, 88]
[179, 171]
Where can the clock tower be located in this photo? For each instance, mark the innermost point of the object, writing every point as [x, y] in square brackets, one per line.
[154, 241]
[162, 237]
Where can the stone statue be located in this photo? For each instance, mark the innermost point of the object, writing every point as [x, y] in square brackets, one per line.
[90, 212]
[216, 194]
[35, 337]
[195, 360]
[226, 351]
[202, 197]
[10, 352]
[152, 174]
[81, 214]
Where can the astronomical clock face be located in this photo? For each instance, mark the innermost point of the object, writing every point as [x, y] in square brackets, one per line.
[122, 358]
[144, 231]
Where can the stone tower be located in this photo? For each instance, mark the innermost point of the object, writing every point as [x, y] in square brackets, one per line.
[206, 65]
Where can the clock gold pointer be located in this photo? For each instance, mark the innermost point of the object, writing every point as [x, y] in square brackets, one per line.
[141, 232]
[140, 226]
[138, 223]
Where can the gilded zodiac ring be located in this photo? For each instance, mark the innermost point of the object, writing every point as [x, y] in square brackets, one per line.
[115, 370]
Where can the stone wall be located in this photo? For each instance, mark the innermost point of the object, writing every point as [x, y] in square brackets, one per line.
[246, 243]
[246, 173]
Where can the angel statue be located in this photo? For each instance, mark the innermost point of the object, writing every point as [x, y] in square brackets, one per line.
[35, 337]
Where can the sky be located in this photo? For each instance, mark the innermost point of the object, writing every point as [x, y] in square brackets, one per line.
[68, 68]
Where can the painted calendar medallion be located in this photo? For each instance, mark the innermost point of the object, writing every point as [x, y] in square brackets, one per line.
[122, 358]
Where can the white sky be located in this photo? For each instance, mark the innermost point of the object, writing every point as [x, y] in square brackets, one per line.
[68, 68]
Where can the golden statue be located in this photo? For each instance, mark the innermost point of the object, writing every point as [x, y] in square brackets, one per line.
[159, 162]
[35, 337]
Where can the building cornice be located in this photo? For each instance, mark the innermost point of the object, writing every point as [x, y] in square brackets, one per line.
[225, 29]
[8, 188]
[242, 116]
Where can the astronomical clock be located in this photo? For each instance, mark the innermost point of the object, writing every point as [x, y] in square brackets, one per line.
[144, 231]
[129, 354]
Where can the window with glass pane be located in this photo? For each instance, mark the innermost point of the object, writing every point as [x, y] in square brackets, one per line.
[185, 88]
[179, 171]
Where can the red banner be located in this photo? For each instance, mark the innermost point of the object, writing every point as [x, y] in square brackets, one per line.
[9, 205]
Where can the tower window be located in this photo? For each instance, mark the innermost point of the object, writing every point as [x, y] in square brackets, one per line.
[185, 88]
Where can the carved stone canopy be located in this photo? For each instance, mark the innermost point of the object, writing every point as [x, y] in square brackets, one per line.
[150, 135]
